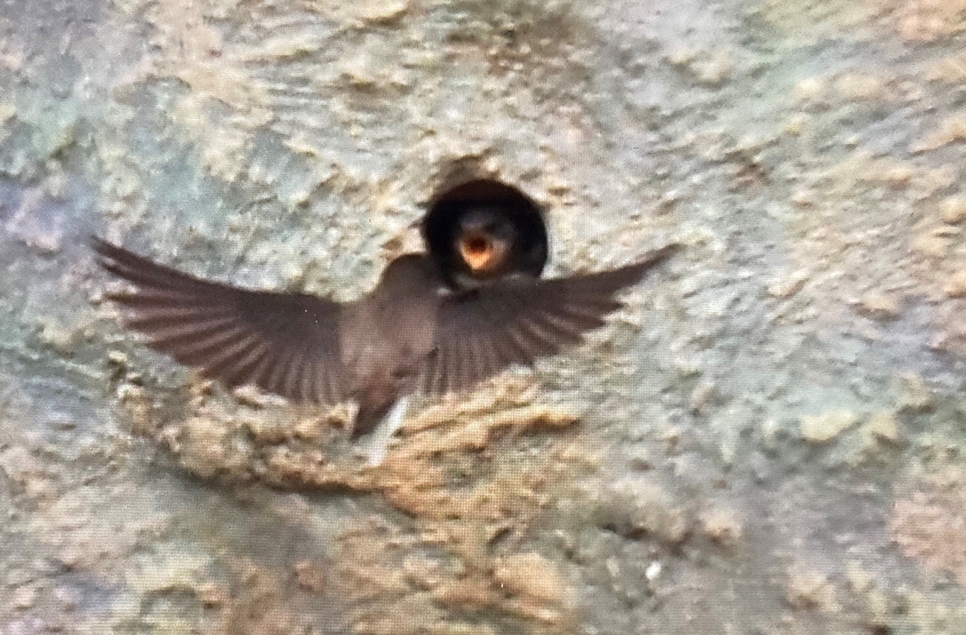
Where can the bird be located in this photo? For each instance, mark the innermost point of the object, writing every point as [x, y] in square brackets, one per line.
[485, 231]
[414, 331]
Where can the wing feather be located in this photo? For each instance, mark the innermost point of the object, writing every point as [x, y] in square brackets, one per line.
[237, 370]
[286, 343]
[482, 331]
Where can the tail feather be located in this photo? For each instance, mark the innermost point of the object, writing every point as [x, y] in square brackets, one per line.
[368, 418]
[375, 445]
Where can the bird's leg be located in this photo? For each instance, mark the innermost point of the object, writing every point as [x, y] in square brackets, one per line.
[374, 447]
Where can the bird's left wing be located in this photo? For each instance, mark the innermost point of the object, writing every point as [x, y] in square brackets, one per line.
[286, 343]
[482, 331]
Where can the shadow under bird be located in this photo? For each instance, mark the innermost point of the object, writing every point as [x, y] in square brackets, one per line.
[414, 330]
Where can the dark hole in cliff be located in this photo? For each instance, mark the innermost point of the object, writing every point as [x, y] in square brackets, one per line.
[441, 224]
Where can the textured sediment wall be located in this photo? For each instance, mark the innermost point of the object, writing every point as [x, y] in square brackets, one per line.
[768, 440]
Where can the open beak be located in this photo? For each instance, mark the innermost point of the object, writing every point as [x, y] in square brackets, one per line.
[479, 251]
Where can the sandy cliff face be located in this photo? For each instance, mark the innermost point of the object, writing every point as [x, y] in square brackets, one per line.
[768, 440]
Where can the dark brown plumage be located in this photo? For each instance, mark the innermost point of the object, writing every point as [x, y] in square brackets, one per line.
[411, 330]
[482, 331]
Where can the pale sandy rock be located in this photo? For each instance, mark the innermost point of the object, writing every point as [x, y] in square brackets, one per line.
[826, 426]
[953, 209]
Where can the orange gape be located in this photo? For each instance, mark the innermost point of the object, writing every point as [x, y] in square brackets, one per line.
[481, 252]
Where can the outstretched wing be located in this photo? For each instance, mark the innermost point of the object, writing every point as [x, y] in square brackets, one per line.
[481, 332]
[285, 343]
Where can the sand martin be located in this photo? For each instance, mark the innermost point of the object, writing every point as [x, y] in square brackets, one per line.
[420, 328]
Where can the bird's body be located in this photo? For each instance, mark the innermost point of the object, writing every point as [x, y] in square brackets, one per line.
[386, 337]
[413, 330]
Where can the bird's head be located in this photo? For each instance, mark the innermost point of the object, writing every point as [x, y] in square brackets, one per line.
[485, 240]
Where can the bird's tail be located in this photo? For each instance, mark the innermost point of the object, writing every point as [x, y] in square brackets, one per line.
[368, 417]
[376, 444]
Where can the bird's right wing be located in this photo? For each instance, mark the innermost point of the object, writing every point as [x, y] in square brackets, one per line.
[285, 343]
[482, 331]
